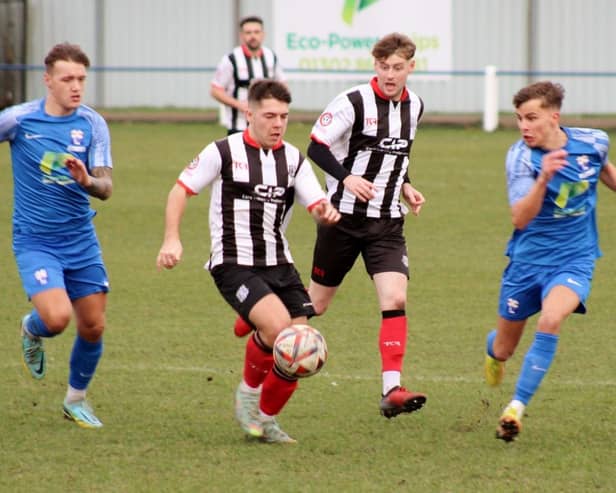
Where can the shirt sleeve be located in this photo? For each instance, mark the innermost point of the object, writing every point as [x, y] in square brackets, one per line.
[603, 147]
[202, 170]
[223, 77]
[279, 74]
[307, 187]
[100, 149]
[8, 124]
[334, 122]
[324, 159]
[520, 172]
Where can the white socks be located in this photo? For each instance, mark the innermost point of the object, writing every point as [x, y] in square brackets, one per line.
[391, 379]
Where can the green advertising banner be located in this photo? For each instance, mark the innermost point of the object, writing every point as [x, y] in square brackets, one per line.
[334, 37]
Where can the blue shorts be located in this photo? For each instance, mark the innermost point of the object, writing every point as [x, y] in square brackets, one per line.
[73, 265]
[524, 286]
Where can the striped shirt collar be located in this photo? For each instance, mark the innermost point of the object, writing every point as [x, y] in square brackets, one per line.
[379, 93]
[250, 54]
[253, 143]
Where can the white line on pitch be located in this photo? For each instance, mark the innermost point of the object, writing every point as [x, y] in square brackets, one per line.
[330, 376]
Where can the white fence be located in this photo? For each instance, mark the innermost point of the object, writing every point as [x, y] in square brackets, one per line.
[162, 54]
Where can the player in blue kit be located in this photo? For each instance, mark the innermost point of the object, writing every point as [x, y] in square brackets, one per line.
[552, 177]
[61, 155]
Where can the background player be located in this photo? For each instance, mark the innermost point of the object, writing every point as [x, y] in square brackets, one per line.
[60, 151]
[552, 176]
[236, 70]
[255, 176]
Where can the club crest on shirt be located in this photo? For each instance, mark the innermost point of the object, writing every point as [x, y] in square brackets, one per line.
[76, 141]
[583, 163]
[326, 118]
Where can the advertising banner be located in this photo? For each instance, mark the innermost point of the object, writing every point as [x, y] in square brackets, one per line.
[335, 37]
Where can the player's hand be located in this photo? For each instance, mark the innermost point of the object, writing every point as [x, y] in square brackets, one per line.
[170, 254]
[325, 213]
[242, 106]
[413, 197]
[78, 171]
[552, 162]
[363, 189]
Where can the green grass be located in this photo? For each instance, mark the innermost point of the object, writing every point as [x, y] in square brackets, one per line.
[164, 388]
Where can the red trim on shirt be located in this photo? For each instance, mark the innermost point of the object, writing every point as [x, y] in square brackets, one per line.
[185, 187]
[253, 143]
[249, 53]
[315, 139]
[379, 93]
[312, 206]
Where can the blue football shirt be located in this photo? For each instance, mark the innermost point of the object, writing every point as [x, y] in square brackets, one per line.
[46, 198]
[565, 228]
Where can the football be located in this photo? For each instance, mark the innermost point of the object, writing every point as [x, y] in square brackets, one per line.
[300, 351]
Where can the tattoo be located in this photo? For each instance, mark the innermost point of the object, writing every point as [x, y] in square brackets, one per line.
[101, 185]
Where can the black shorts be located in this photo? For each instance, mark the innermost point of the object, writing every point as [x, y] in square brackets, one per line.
[243, 286]
[380, 242]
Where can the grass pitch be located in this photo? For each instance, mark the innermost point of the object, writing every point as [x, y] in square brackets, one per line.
[164, 388]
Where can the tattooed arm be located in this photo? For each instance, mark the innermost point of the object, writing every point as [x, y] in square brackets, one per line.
[98, 184]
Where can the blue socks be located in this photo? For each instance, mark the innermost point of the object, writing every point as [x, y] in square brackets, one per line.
[36, 327]
[490, 343]
[84, 359]
[536, 364]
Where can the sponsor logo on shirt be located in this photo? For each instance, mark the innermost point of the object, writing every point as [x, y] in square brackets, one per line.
[391, 145]
[240, 165]
[51, 166]
[394, 144]
[269, 193]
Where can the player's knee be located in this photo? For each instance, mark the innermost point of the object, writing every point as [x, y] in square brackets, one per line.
[320, 306]
[57, 320]
[549, 323]
[270, 330]
[397, 302]
[91, 331]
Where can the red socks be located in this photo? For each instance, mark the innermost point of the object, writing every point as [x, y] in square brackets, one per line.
[276, 393]
[392, 340]
[257, 362]
[259, 369]
[241, 328]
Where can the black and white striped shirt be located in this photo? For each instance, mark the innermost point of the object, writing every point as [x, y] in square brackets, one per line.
[252, 196]
[234, 73]
[371, 136]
